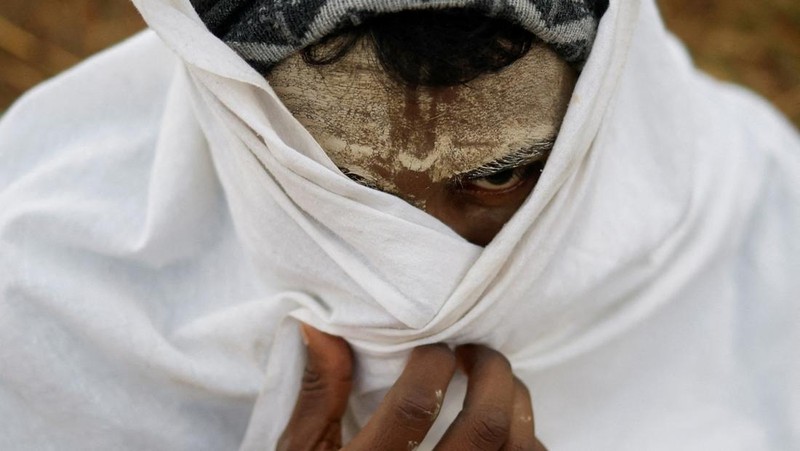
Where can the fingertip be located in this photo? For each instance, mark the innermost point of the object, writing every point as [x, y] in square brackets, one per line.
[326, 350]
[438, 355]
[314, 338]
[522, 388]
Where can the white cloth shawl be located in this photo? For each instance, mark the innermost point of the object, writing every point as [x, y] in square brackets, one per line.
[164, 223]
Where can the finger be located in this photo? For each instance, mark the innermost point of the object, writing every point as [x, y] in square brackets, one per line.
[522, 434]
[412, 404]
[316, 420]
[485, 420]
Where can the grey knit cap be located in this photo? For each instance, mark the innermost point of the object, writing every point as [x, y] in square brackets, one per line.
[264, 32]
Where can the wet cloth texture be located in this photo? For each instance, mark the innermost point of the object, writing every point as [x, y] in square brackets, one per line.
[165, 223]
[264, 32]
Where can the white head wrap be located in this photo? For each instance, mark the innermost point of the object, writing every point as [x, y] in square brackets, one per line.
[164, 221]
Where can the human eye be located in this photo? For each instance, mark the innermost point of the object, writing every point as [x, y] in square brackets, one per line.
[502, 181]
[496, 182]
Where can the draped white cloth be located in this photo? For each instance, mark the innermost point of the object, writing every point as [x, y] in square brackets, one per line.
[164, 221]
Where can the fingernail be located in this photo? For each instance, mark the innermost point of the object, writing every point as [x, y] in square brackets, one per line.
[304, 333]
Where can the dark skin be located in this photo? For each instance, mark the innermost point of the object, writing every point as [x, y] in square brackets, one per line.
[478, 214]
[430, 147]
[497, 413]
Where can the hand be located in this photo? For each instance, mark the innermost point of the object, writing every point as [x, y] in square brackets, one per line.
[497, 412]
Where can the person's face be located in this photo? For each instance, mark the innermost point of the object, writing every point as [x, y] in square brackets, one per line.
[469, 155]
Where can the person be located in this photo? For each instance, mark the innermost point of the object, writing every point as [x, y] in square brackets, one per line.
[563, 205]
[424, 122]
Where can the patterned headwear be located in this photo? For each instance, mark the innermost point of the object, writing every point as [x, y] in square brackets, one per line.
[264, 32]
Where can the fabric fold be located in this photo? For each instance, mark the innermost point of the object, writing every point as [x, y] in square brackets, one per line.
[163, 235]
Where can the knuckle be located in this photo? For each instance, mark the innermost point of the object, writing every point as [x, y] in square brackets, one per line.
[416, 409]
[313, 381]
[316, 384]
[319, 377]
[490, 428]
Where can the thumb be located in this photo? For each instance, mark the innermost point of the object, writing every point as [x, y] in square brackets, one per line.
[316, 420]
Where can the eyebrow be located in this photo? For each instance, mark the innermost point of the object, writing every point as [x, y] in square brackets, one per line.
[512, 160]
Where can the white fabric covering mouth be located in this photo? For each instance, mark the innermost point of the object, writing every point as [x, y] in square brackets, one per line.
[164, 223]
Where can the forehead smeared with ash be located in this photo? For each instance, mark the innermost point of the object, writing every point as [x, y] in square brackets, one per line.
[385, 134]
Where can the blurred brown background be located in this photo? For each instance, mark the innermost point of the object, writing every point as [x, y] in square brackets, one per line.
[754, 43]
